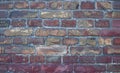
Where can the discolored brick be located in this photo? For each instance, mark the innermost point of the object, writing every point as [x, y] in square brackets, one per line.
[68, 23]
[37, 59]
[6, 5]
[113, 68]
[18, 23]
[19, 40]
[53, 59]
[105, 41]
[51, 23]
[71, 5]
[116, 5]
[18, 32]
[5, 58]
[116, 23]
[22, 4]
[55, 5]
[60, 14]
[104, 5]
[35, 23]
[6, 40]
[35, 41]
[51, 50]
[3, 14]
[85, 23]
[112, 14]
[70, 59]
[116, 41]
[102, 23]
[70, 41]
[53, 41]
[4, 23]
[20, 59]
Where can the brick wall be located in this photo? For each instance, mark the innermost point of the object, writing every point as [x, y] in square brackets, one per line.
[59, 36]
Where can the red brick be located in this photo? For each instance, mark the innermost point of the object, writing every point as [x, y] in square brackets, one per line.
[103, 59]
[116, 41]
[37, 5]
[35, 23]
[116, 59]
[22, 4]
[19, 40]
[70, 41]
[37, 59]
[5, 58]
[111, 50]
[24, 68]
[68, 23]
[89, 68]
[51, 23]
[55, 68]
[113, 68]
[3, 14]
[116, 23]
[110, 32]
[35, 41]
[86, 59]
[116, 5]
[18, 23]
[55, 5]
[70, 59]
[22, 14]
[20, 59]
[53, 59]
[87, 5]
[87, 14]
[19, 49]
[102, 23]
[6, 5]
[3, 67]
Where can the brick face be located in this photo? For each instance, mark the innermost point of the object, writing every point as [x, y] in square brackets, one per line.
[59, 36]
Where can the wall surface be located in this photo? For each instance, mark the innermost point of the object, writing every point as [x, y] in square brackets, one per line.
[59, 36]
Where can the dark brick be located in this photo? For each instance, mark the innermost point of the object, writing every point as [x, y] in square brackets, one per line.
[116, 23]
[35, 23]
[4, 23]
[51, 23]
[103, 59]
[116, 5]
[86, 59]
[113, 68]
[20, 59]
[6, 5]
[102, 23]
[37, 59]
[3, 14]
[116, 41]
[37, 5]
[19, 40]
[35, 41]
[70, 59]
[5, 58]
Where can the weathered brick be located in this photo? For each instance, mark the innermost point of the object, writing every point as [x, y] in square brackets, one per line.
[53, 59]
[1, 50]
[112, 50]
[104, 5]
[37, 59]
[116, 41]
[35, 23]
[51, 23]
[87, 5]
[23, 14]
[35, 41]
[18, 32]
[24, 68]
[68, 23]
[70, 41]
[112, 14]
[102, 23]
[5, 58]
[60, 14]
[50, 32]
[71, 5]
[104, 41]
[6, 40]
[89, 68]
[19, 49]
[6, 5]
[116, 23]
[85, 23]
[87, 14]
[88, 41]
[22, 4]
[116, 5]
[116, 59]
[113, 68]
[83, 41]
[53, 41]
[4, 23]
[103, 59]
[3, 14]
[37, 5]
[55, 5]
[83, 32]
[85, 50]
[51, 50]
[70, 59]
[19, 40]
[20, 59]
[86, 59]
[18, 23]
[110, 32]
[55, 68]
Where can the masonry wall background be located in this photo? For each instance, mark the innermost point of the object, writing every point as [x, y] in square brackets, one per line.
[59, 36]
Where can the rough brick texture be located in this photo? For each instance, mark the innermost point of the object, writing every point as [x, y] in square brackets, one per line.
[59, 36]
